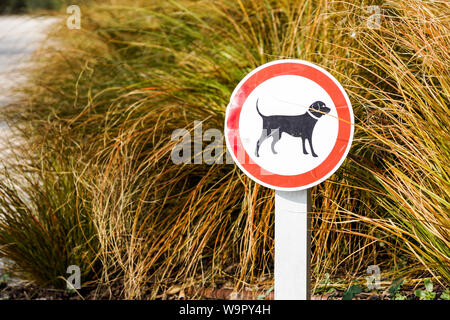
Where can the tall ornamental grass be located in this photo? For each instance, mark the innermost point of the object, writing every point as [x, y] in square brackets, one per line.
[105, 100]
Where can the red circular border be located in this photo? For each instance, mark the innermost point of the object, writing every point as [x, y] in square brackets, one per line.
[344, 129]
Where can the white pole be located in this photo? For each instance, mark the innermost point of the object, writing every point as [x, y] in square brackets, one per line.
[292, 245]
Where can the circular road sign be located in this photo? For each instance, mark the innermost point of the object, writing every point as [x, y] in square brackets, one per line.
[289, 125]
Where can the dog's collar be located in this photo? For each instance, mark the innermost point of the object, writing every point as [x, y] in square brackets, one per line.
[315, 117]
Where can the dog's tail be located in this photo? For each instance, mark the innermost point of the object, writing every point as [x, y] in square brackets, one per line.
[257, 109]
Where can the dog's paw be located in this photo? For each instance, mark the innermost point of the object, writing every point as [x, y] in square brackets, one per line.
[314, 155]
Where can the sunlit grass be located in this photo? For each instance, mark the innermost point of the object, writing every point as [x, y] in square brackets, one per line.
[112, 93]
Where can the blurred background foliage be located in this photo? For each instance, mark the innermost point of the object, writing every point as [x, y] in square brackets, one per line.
[27, 6]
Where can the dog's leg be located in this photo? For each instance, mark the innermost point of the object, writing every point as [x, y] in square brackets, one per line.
[263, 137]
[312, 149]
[304, 146]
[276, 137]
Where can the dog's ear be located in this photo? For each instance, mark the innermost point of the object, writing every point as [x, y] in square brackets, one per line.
[316, 105]
[321, 106]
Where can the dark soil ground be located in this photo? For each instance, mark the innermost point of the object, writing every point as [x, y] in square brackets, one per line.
[22, 291]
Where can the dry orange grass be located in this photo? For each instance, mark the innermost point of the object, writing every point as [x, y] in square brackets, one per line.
[136, 72]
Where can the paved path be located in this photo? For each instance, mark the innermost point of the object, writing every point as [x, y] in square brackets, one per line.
[19, 37]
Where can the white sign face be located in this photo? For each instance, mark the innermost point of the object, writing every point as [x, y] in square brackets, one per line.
[289, 125]
[290, 96]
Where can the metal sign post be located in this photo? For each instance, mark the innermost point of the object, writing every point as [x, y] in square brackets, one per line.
[292, 245]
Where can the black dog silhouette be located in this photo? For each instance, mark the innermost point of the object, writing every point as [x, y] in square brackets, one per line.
[297, 126]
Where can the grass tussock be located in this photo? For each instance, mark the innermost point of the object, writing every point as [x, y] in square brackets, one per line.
[111, 94]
